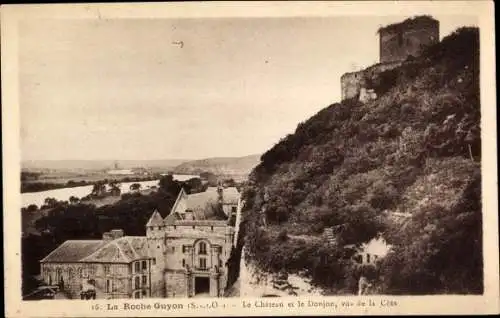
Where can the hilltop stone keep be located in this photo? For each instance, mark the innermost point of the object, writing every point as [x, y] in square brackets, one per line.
[398, 42]
[182, 255]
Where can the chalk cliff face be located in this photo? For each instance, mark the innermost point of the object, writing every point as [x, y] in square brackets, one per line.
[414, 152]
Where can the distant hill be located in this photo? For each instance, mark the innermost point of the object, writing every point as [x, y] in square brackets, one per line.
[234, 166]
[86, 165]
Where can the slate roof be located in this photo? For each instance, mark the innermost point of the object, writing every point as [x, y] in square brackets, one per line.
[122, 250]
[155, 219]
[172, 218]
[73, 251]
[199, 203]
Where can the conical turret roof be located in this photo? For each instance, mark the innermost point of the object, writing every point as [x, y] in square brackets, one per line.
[155, 220]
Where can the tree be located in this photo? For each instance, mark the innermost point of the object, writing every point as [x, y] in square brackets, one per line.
[99, 189]
[73, 200]
[169, 185]
[115, 188]
[32, 208]
[50, 202]
[135, 186]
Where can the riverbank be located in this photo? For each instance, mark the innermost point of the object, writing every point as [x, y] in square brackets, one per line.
[64, 193]
[38, 186]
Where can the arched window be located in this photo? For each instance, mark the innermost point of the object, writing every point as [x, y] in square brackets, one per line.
[137, 282]
[70, 274]
[80, 272]
[202, 248]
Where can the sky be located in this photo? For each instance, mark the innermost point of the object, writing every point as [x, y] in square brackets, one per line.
[126, 89]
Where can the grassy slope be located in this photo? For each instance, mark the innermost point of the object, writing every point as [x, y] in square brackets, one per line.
[415, 149]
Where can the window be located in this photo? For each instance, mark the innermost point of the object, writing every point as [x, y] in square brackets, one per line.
[137, 295]
[144, 265]
[106, 270]
[220, 263]
[203, 263]
[233, 209]
[368, 258]
[183, 263]
[175, 226]
[143, 293]
[137, 282]
[202, 248]
[154, 261]
[144, 280]
[184, 248]
[108, 286]
[194, 227]
[58, 274]
[137, 267]
[212, 228]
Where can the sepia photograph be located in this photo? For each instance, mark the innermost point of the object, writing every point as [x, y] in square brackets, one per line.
[293, 158]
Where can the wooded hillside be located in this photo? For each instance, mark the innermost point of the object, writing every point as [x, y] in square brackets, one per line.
[415, 149]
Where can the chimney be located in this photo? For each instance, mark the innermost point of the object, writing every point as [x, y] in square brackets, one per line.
[107, 236]
[112, 235]
[220, 194]
[117, 233]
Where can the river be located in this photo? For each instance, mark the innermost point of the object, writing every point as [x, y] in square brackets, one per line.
[64, 194]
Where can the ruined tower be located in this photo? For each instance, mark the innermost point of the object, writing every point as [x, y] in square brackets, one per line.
[400, 40]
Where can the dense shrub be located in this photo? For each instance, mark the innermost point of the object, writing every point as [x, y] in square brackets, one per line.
[415, 149]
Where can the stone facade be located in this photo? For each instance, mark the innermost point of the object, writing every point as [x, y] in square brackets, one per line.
[182, 255]
[408, 38]
[354, 83]
[111, 281]
[397, 42]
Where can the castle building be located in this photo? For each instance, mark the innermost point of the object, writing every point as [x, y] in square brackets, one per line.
[398, 42]
[182, 255]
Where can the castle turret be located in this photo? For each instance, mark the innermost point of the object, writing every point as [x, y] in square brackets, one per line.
[155, 233]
